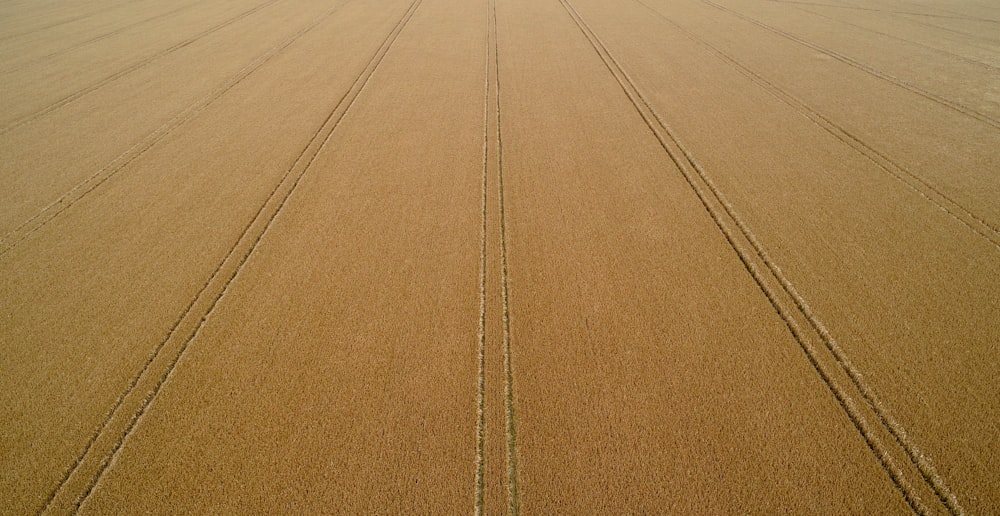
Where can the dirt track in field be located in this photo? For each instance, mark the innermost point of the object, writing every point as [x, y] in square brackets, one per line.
[550, 256]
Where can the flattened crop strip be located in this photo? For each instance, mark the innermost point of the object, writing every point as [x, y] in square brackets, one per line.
[190, 323]
[81, 189]
[129, 69]
[690, 169]
[481, 394]
[922, 187]
[512, 486]
[875, 72]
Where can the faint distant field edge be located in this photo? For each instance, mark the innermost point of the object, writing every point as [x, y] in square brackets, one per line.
[889, 11]
[30, 117]
[968, 38]
[911, 180]
[914, 17]
[799, 7]
[991, 43]
[100, 37]
[909, 470]
[951, 104]
[87, 469]
[11, 240]
[64, 22]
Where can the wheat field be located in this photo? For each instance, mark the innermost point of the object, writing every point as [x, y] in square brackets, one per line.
[500, 256]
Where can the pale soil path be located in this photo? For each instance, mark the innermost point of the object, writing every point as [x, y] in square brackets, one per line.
[550, 256]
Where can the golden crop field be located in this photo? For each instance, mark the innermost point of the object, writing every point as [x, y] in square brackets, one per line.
[500, 256]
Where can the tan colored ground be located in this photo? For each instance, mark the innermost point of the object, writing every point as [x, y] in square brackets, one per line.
[449, 256]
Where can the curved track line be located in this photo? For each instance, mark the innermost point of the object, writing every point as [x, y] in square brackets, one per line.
[922, 187]
[946, 497]
[127, 70]
[290, 180]
[955, 106]
[37, 221]
[94, 39]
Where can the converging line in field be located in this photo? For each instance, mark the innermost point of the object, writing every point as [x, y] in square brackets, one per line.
[80, 190]
[955, 106]
[694, 175]
[904, 13]
[950, 54]
[127, 70]
[62, 22]
[190, 323]
[100, 37]
[917, 184]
